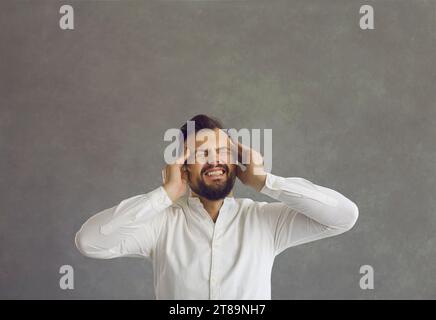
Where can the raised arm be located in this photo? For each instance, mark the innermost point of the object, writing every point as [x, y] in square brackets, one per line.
[128, 229]
[304, 212]
[132, 227]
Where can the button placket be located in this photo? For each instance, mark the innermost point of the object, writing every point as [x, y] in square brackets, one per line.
[215, 250]
[214, 260]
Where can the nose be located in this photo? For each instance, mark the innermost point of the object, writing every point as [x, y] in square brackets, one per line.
[212, 157]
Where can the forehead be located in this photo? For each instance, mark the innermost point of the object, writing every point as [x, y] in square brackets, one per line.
[211, 139]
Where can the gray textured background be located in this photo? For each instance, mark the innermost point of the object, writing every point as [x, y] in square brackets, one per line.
[83, 115]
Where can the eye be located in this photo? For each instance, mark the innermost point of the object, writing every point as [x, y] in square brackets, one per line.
[201, 153]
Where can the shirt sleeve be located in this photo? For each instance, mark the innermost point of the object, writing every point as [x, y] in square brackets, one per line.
[305, 212]
[130, 229]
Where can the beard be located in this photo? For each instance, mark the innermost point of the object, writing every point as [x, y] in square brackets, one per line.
[215, 191]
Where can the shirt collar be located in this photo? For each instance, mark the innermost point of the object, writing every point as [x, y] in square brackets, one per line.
[196, 206]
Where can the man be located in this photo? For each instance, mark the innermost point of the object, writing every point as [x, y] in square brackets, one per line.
[207, 244]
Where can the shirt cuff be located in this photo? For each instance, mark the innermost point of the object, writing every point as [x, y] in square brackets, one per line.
[272, 186]
[159, 199]
[275, 186]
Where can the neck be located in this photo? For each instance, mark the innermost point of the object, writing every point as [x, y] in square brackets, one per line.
[211, 206]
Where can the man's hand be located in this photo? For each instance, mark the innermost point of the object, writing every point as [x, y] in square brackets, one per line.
[175, 178]
[254, 175]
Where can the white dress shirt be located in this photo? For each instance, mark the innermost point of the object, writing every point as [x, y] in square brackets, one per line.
[195, 258]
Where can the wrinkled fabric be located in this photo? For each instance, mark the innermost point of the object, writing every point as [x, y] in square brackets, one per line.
[195, 258]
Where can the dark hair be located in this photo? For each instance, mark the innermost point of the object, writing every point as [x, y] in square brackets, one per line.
[202, 121]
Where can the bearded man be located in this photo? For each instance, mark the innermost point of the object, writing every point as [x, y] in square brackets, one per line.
[203, 242]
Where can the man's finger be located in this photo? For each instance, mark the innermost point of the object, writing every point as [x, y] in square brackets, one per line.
[181, 160]
[187, 154]
[240, 172]
[164, 175]
[240, 149]
[184, 175]
[244, 153]
[234, 151]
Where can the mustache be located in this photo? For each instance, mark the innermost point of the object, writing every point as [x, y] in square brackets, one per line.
[222, 166]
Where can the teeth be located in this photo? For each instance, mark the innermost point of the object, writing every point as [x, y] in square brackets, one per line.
[215, 173]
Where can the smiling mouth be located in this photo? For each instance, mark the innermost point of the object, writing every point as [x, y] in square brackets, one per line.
[216, 172]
